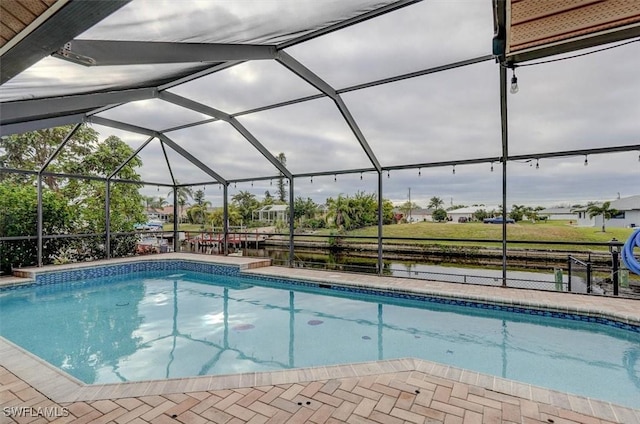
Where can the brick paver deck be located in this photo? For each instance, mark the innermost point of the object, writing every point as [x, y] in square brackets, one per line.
[394, 391]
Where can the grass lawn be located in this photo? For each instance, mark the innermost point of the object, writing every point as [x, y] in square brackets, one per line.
[523, 231]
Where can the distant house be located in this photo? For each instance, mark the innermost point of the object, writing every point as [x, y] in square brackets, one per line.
[420, 215]
[271, 214]
[467, 212]
[417, 215]
[163, 214]
[628, 216]
[560, 214]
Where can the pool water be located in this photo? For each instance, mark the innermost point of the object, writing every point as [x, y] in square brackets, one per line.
[155, 325]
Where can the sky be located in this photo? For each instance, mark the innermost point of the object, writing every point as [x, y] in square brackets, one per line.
[584, 102]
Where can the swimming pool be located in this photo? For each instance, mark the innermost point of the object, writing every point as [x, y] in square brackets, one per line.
[181, 322]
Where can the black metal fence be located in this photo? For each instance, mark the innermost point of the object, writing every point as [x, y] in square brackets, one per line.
[581, 269]
[464, 261]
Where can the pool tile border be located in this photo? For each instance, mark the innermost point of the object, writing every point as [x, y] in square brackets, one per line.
[543, 311]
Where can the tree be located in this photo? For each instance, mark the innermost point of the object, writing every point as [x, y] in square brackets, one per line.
[348, 213]
[439, 215]
[268, 199]
[31, 150]
[282, 190]
[406, 209]
[604, 210]
[532, 213]
[517, 212]
[217, 216]
[338, 212]
[82, 155]
[183, 194]
[18, 204]
[246, 203]
[157, 203]
[198, 212]
[435, 203]
[480, 215]
[304, 209]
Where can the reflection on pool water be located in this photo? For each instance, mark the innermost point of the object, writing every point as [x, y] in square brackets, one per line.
[154, 325]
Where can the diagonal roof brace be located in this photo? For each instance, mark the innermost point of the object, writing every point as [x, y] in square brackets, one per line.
[121, 125]
[188, 156]
[109, 52]
[207, 110]
[306, 74]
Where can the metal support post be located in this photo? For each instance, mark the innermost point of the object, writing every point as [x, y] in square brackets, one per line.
[39, 224]
[176, 219]
[291, 219]
[225, 217]
[107, 219]
[380, 222]
[505, 155]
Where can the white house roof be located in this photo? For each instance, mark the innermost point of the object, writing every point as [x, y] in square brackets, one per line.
[557, 211]
[627, 203]
[471, 209]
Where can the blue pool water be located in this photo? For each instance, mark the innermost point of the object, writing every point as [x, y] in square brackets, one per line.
[154, 325]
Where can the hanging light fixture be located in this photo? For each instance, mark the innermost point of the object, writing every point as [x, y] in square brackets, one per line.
[537, 164]
[586, 160]
[361, 176]
[388, 174]
[491, 166]
[419, 172]
[335, 178]
[311, 180]
[514, 83]
[454, 170]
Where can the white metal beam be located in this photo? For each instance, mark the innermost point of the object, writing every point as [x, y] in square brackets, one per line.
[108, 52]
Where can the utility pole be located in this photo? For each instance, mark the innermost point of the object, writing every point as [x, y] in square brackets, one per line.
[410, 205]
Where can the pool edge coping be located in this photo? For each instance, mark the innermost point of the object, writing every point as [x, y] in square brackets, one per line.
[47, 379]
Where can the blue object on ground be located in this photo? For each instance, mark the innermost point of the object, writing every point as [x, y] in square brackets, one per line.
[627, 252]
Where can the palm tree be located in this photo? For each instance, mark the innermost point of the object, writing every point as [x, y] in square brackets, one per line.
[435, 203]
[183, 194]
[339, 212]
[604, 210]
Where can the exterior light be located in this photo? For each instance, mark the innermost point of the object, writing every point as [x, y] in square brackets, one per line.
[586, 160]
[335, 178]
[537, 164]
[514, 83]
[388, 174]
[361, 176]
[311, 180]
[454, 170]
[419, 172]
[613, 245]
[491, 166]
